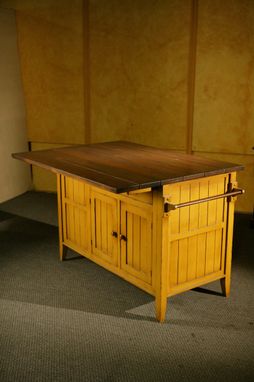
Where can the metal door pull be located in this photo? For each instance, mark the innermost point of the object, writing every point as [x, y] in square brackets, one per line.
[123, 237]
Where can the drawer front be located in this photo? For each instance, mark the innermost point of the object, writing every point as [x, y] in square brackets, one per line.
[197, 232]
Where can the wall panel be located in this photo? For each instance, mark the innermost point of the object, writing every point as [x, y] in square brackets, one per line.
[224, 97]
[139, 66]
[51, 52]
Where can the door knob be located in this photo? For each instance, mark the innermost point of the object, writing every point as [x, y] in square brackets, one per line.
[114, 233]
[123, 237]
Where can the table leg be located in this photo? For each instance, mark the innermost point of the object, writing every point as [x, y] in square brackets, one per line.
[225, 286]
[162, 272]
[62, 251]
[225, 282]
[161, 307]
[62, 247]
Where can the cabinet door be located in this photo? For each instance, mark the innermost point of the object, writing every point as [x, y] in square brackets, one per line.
[136, 241]
[76, 217]
[104, 227]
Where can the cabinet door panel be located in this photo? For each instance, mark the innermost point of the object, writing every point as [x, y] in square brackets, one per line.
[75, 199]
[104, 223]
[136, 242]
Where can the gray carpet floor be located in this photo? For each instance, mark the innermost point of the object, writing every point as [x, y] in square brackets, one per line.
[74, 321]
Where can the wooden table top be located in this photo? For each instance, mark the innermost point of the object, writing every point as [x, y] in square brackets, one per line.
[124, 166]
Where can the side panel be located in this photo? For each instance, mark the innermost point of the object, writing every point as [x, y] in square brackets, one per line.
[198, 232]
[76, 214]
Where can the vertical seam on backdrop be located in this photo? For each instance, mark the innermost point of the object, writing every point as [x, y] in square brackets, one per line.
[192, 73]
[86, 71]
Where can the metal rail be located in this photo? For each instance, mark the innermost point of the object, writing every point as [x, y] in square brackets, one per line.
[169, 206]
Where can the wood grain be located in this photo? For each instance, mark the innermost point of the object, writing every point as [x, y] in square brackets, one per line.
[124, 166]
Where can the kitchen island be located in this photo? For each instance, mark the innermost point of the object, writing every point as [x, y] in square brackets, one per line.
[160, 219]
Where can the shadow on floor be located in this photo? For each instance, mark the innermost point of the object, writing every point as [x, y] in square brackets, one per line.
[31, 272]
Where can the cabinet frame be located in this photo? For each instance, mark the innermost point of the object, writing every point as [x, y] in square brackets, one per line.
[151, 203]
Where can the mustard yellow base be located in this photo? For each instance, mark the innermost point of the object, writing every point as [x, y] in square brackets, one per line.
[163, 253]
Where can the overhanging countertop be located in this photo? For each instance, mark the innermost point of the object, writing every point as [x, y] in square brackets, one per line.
[124, 166]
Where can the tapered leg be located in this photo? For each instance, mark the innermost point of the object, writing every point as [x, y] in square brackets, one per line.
[225, 286]
[162, 272]
[225, 282]
[62, 251]
[161, 307]
[62, 247]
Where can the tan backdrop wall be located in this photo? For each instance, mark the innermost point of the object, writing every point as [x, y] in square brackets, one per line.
[50, 40]
[51, 52]
[145, 71]
[139, 69]
[224, 87]
[224, 108]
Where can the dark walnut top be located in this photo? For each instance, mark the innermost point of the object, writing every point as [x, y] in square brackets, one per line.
[124, 166]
